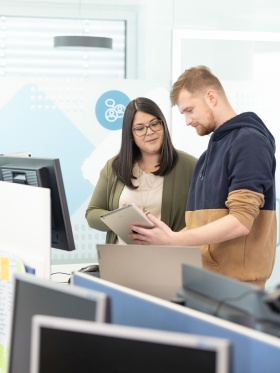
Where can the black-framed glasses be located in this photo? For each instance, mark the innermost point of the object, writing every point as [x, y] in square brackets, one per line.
[142, 130]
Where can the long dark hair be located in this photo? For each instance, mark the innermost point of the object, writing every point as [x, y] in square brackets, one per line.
[129, 152]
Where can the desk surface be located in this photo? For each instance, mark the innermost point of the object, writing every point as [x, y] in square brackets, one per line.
[61, 273]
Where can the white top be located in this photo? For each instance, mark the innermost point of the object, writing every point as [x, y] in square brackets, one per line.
[147, 196]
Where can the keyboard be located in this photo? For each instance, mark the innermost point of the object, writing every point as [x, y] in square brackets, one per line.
[95, 273]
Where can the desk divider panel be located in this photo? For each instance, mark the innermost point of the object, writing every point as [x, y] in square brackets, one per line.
[252, 351]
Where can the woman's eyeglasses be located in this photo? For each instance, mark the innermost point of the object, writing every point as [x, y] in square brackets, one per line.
[142, 130]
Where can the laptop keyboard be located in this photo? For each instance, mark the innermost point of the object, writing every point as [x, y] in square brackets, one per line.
[95, 273]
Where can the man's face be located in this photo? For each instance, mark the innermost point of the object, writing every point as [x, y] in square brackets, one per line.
[197, 112]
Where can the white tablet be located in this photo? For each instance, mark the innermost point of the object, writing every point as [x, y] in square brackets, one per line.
[118, 221]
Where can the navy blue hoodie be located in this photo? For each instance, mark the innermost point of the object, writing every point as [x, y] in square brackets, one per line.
[234, 175]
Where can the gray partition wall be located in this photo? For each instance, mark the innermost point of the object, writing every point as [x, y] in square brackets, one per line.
[252, 351]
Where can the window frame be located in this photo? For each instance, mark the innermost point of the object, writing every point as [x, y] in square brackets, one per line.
[82, 9]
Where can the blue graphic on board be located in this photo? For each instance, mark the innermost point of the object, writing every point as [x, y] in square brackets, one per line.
[47, 133]
[109, 109]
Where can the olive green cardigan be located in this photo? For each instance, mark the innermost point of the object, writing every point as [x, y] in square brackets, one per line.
[174, 196]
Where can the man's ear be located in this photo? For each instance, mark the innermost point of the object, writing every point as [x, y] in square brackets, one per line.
[211, 97]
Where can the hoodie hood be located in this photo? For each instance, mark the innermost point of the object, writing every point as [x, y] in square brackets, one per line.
[247, 120]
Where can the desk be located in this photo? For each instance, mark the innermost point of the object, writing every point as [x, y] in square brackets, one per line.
[61, 273]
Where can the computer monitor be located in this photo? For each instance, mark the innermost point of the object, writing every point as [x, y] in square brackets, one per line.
[229, 299]
[252, 351]
[62, 345]
[46, 173]
[32, 296]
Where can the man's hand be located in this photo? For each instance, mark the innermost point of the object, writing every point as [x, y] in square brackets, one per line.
[160, 234]
[223, 229]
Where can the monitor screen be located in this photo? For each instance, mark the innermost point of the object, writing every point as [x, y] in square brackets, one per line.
[63, 345]
[46, 173]
[31, 296]
[229, 299]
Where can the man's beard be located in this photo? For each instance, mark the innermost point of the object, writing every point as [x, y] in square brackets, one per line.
[202, 130]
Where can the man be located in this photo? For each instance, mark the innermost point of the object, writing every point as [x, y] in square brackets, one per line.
[230, 211]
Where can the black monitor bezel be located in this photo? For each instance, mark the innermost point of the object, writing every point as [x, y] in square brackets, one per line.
[61, 233]
[32, 295]
[227, 298]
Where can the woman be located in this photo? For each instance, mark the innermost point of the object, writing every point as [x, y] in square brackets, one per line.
[148, 171]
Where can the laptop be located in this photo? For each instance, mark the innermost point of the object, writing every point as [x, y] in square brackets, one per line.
[151, 269]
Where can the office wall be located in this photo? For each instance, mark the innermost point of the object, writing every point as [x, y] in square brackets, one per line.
[249, 70]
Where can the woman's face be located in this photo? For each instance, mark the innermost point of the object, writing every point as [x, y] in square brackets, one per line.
[151, 142]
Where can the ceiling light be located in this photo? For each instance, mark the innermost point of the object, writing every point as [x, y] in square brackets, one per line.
[82, 42]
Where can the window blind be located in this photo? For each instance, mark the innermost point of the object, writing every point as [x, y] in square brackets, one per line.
[26, 48]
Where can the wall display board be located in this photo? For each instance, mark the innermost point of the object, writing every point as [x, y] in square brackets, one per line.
[78, 121]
